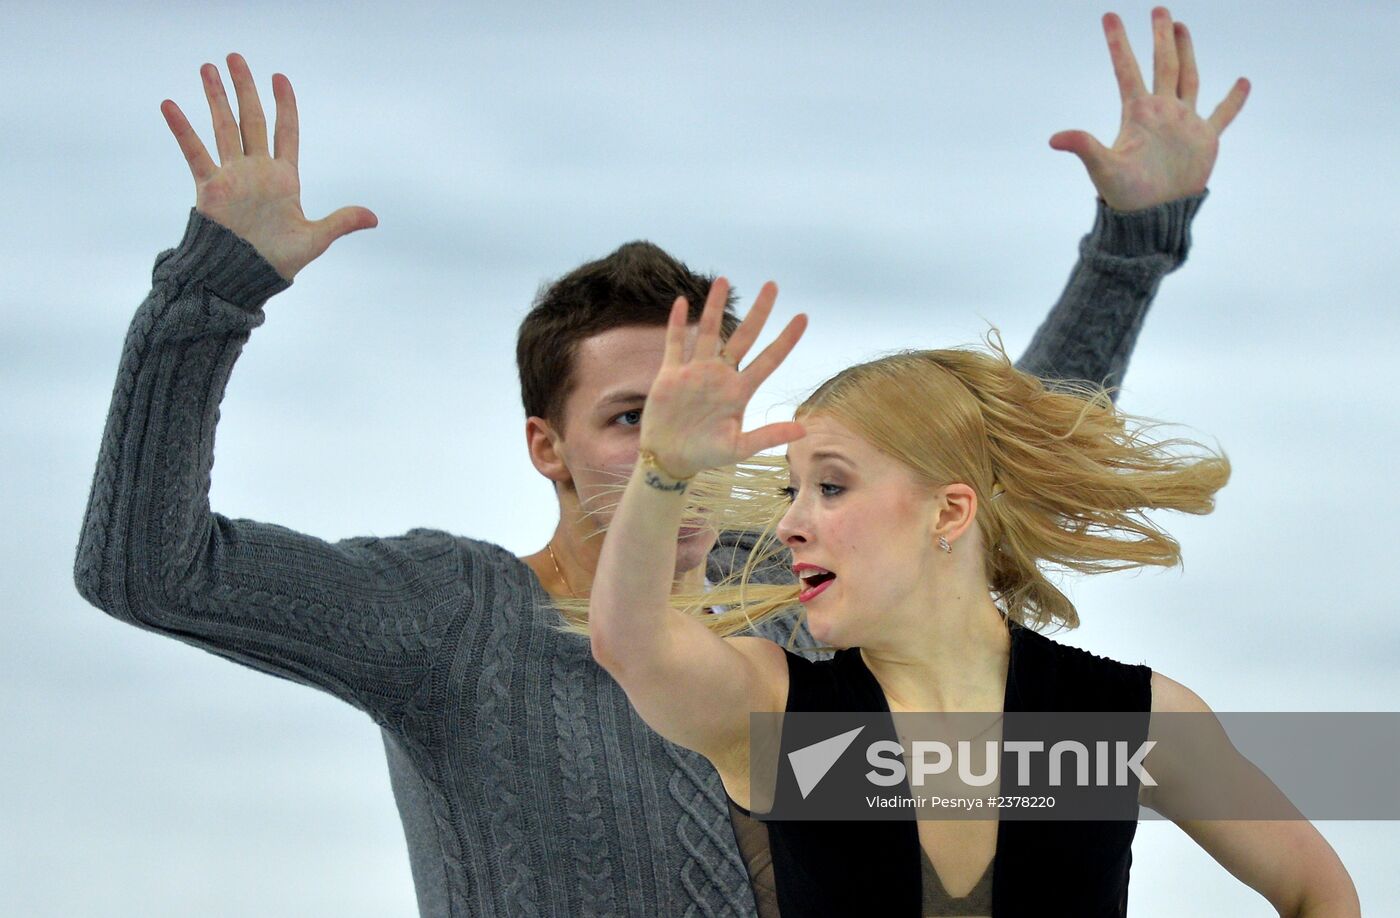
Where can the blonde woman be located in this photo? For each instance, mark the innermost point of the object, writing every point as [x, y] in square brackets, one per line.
[920, 498]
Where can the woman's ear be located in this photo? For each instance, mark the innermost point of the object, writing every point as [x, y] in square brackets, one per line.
[956, 509]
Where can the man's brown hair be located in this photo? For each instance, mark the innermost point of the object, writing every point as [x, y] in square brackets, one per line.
[635, 285]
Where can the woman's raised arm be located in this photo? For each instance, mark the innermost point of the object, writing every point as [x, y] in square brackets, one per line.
[690, 685]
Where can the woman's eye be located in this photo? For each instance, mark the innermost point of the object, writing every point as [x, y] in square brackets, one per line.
[791, 493]
[636, 411]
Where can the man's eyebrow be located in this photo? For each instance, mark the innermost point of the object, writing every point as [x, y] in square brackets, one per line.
[619, 397]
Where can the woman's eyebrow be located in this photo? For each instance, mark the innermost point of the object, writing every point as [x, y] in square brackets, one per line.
[823, 454]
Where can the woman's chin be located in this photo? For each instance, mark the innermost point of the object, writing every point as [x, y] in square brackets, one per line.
[823, 629]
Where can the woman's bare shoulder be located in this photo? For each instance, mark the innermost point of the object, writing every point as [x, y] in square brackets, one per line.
[1171, 697]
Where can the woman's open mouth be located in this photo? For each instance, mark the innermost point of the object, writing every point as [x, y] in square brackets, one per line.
[820, 583]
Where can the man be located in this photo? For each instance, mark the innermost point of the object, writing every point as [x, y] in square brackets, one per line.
[525, 782]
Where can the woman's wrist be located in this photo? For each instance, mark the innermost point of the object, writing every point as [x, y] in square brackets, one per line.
[646, 459]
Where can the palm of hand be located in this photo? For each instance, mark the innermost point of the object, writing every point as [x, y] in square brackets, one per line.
[259, 198]
[700, 404]
[1164, 150]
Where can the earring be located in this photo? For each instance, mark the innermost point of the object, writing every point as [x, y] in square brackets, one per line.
[943, 544]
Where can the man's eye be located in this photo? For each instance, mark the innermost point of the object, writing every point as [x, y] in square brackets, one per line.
[636, 411]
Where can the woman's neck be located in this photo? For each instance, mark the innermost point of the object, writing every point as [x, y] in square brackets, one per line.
[953, 656]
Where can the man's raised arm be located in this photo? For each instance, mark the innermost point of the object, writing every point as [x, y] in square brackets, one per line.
[360, 618]
[1150, 183]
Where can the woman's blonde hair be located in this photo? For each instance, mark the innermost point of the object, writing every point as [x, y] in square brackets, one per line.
[1063, 480]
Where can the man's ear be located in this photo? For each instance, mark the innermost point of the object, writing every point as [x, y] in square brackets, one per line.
[546, 449]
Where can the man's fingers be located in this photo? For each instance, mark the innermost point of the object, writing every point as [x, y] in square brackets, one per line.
[201, 166]
[1125, 66]
[287, 134]
[1188, 83]
[252, 124]
[1164, 62]
[1230, 106]
[226, 138]
[329, 229]
[1081, 144]
[343, 221]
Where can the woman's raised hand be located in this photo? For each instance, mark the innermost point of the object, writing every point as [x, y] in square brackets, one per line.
[694, 414]
[252, 192]
[1164, 150]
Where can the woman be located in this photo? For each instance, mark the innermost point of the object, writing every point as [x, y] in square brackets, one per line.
[921, 495]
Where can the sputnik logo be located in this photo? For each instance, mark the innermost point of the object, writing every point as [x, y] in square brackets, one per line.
[811, 763]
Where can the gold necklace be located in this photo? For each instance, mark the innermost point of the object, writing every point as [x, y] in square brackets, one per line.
[550, 546]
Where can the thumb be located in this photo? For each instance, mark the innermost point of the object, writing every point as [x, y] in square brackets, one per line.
[771, 435]
[1081, 144]
[343, 221]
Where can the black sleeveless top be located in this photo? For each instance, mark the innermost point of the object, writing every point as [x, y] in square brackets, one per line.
[1053, 867]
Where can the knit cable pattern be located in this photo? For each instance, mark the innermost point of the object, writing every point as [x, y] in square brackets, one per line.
[494, 691]
[434, 639]
[582, 778]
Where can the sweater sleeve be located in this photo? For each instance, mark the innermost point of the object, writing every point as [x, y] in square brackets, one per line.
[1089, 334]
[359, 618]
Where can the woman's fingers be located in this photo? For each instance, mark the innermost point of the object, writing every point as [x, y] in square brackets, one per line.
[1165, 66]
[769, 436]
[201, 165]
[226, 138]
[707, 343]
[675, 332]
[287, 135]
[744, 336]
[1189, 81]
[252, 124]
[1230, 106]
[1125, 66]
[762, 366]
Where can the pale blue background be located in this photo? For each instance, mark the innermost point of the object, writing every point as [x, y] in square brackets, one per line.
[886, 164]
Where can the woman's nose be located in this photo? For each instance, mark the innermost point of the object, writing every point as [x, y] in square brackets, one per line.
[791, 526]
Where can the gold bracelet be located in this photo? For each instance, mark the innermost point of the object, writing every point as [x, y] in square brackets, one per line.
[648, 458]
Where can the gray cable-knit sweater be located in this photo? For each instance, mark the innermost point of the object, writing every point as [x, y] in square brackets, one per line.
[526, 783]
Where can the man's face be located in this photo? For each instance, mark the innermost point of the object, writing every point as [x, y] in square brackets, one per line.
[613, 372]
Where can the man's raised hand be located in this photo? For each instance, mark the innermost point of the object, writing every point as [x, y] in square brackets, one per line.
[1164, 150]
[252, 192]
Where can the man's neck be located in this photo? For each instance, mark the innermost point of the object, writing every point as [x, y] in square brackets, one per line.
[571, 568]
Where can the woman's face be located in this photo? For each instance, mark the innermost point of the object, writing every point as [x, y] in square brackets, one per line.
[862, 515]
